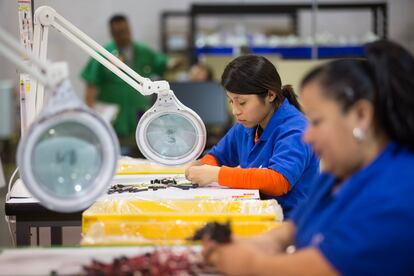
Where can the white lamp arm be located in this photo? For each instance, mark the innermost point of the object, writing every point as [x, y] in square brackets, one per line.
[48, 74]
[46, 16]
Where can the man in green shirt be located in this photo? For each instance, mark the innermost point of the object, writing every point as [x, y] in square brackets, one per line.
[104, 86]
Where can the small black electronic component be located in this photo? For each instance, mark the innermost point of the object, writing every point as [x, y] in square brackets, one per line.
[218, 232]
[123, 188]
[185, 186]
[155, 184]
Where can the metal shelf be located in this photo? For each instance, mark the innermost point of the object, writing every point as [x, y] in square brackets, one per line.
[290, 52]
[379, 26]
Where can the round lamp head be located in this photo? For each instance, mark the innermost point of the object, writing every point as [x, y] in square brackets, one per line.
[65, 157]
[68, 160]
[170, 133]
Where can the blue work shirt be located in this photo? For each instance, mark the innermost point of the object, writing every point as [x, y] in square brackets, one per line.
[365, 227]
[280, 148]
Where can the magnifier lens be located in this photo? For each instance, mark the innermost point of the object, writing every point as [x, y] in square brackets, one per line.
[65, 160]
[171, 135]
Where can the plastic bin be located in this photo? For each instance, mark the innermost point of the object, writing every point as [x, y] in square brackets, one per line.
[133, 222]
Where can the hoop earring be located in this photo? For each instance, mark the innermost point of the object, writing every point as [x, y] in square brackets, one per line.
[358, 134]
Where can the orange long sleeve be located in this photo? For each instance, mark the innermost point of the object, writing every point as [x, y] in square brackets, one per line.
[209, 159]
[266, 180]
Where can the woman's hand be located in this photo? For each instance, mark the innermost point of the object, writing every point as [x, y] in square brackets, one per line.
[264, 243]
[189, 165]
[202, 174]
[276, 240]
[236, 258]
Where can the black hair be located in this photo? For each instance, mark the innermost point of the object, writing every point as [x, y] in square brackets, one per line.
[251, 74]
[385, 78]
[117, 18]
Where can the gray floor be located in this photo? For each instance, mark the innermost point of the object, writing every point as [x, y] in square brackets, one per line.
[5, 240]
[8, 162]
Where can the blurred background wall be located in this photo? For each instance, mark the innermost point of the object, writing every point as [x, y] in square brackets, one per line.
[91, 16]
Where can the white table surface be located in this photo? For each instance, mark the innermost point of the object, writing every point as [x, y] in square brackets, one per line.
[65, 261]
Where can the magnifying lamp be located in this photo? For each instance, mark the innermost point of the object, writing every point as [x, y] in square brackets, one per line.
[168, 133]
[68, 156]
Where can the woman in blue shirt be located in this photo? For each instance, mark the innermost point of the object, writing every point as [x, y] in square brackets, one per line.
[359, 218]
[264, 150]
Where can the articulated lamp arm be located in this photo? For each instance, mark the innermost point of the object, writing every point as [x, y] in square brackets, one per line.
[46, 16]
[50, 75]
[169, 132]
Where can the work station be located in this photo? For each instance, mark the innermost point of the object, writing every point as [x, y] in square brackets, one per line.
[194, 138]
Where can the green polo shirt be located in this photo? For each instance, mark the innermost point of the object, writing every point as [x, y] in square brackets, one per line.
[112, 89]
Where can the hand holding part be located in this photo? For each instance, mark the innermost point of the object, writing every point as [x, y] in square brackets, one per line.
[189, 165]
[203, 175]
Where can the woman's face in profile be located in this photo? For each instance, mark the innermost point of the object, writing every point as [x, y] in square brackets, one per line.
[330, 132]
[249, 110]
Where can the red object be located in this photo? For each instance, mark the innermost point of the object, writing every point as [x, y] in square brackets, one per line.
[157, 263]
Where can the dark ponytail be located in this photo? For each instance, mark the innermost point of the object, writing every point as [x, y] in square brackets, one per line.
[289, 93]
[393, 73]
[251, 74]
[385, 78]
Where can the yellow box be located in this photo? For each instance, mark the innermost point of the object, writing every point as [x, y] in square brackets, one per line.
[160, 233]
[172, 221]
[134, 166]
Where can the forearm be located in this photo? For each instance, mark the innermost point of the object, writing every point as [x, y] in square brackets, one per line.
[90, 95]
[266, 180]
[284, 235]
[209, 159]
[276, 240]
[308, 261]
[238, 258]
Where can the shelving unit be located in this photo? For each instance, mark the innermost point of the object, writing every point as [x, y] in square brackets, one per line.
[165, 17]
[378, 12]
[379, 26]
